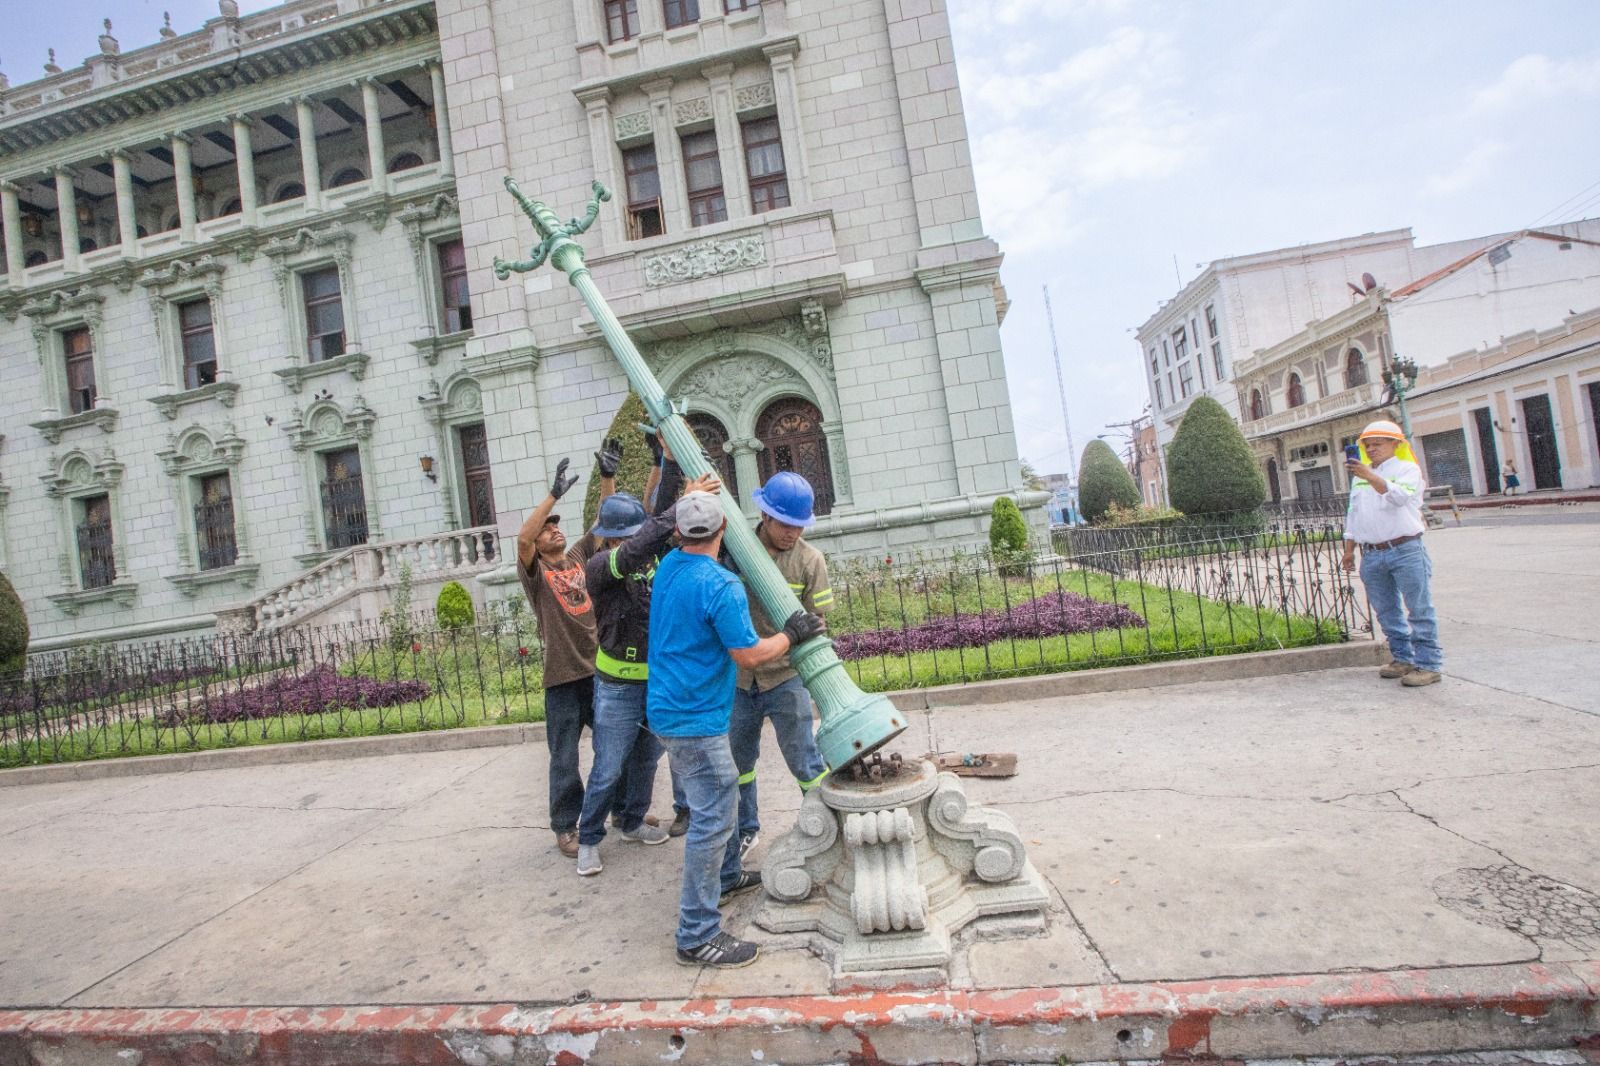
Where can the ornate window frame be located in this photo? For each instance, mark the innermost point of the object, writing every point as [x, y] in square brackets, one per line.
[189, 456]
[304, 250]
[323, 427]
[50, 315]
[458, 402]
[73, 477]
[428, 223]
[179, 282]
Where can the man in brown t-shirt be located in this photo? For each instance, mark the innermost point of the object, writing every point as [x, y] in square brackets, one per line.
[551, 573]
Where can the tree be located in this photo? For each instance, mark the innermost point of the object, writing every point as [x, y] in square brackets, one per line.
[1210, 468]
[454, 607]
[13, 631]
[1103, 481]
[1030, 477]
[1008, 535]
[636, 460]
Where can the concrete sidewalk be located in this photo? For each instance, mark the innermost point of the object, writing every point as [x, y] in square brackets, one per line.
[1321, 863]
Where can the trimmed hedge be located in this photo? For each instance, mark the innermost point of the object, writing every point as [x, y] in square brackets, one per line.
[636, 461]
[1103, 481]
[1008, 533]
[1210, 468]
[14, 633]
[454, 607]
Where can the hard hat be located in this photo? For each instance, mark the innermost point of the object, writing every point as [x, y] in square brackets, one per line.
[1385, 429]
[787, 497]
[621, 515]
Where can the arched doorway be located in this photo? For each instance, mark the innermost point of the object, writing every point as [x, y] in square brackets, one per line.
[712, 435]
[791, 429]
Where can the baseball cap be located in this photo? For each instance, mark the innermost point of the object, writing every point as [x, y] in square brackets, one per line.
[699, 514]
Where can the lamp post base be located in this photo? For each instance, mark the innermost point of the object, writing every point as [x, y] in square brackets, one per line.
[887, 870]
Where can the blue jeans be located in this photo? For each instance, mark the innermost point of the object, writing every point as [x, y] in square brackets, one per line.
[711, 849]
[625, 757]
[788, 704]
[1396, 580]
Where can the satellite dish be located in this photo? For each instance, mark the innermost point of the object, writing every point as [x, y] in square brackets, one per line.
[1369, 281]
[1353, 288]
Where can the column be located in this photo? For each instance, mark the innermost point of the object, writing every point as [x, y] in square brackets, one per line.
[441, 123]
[11, 218]
[786, 96]
[730, 144]
[245, 161]
[746, 469]
[127, 222]
[838, 463]
[67, 209]
[183, 176]
[310, 169]
[372, 118]
[669, 164]
[603, 145]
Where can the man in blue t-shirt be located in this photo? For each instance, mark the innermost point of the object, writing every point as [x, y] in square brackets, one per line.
[700, 630]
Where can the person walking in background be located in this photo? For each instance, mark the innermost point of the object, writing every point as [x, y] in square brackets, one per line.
[1385, 521]
[699, 629]
[775, 691]
[1508, 474]
[552, 576]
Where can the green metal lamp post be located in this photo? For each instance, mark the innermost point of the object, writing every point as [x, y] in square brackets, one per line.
[1401, 376]
[854, 723]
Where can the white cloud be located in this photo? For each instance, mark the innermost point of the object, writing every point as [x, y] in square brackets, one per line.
[1476, 165]
[1536, 77]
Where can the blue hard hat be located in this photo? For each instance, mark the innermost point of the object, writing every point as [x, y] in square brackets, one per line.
[621, 515]
[787, 497]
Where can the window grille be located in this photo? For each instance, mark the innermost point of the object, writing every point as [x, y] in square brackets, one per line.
[96, 558]
[344, 500]
[213, 522]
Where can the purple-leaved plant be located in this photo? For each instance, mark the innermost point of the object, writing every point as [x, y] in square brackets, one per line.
[318, 691]
[1047, 616]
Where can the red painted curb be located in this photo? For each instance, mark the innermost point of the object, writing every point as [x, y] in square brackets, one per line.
[1400, 1012]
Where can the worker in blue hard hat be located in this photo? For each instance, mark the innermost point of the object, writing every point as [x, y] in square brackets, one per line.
[625, 752]
[774, 691]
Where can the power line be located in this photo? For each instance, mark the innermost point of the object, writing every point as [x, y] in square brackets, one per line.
[1562, 206]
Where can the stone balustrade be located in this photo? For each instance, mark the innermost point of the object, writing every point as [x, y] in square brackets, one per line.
[360, 579]
[1344, 401]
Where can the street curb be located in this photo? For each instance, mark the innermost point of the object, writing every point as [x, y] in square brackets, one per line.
[1406, 1012]
[977, 693]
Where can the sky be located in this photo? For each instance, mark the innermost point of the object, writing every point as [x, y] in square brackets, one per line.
[1120, 146]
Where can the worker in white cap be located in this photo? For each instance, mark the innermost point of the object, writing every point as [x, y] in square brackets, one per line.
[1385, 522]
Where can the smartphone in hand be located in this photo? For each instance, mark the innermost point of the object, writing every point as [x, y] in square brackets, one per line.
[1352, 453]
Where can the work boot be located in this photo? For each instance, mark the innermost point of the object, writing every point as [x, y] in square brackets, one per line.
[1395, 668]
[724, 951]
[589, 860]
[680, 824]
[645, 834]
[746, 880]
[1419, 677]
[567, 843]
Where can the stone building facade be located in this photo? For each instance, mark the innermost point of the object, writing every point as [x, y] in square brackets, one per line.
[253, 373]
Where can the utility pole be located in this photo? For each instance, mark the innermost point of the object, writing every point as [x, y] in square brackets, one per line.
[1061, 386]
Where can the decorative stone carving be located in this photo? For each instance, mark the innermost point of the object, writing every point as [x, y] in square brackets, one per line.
[52, 429]
[692, 111]
[751, 97]
[296, 375]
[197, 447]
[633, 124]
[327, 423]
[335, 238]
[814, 319]
[417, 215]
[208, 269]
[224, 392]
[704, 259]
[886, 871]
[732, 382]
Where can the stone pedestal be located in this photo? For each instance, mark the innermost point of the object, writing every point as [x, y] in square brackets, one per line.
[888, 870]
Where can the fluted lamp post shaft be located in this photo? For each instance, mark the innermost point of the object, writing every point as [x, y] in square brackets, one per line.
[854, 723]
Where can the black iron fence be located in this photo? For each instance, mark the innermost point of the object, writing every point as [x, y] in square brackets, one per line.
[896, 623]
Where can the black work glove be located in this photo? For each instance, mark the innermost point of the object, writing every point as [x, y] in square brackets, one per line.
[562, 482]
[802, 626]
[609, 456]
[654, 442]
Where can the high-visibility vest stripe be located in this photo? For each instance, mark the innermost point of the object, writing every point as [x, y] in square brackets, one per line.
[618, 668]
[745, 779]
[807, 786]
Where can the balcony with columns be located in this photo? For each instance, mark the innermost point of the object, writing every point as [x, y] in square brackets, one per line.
[347, 143]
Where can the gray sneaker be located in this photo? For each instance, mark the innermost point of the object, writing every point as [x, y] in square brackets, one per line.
[747, 841]
[589, 860]
[645, 834]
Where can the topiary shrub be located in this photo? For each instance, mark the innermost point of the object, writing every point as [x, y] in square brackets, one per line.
[1008, 535]
[1210, 468]
[636, 461]
[1103, 481]
[13, 631]
[454, 607]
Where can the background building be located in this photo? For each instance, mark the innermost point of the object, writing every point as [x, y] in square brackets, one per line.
[258, 363]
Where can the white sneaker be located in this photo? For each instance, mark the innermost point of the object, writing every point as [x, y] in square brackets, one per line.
[645, 834]
[589, 860]
[747, 842]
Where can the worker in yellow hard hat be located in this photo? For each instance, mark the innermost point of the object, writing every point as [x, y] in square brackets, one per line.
[1385, 522]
